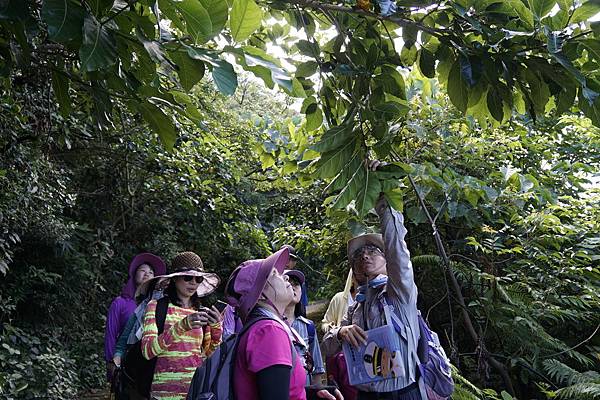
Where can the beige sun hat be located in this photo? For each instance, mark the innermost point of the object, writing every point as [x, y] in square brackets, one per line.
[185, 264]
[356, 243]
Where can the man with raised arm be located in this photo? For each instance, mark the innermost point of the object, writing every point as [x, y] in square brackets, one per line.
[381, 266]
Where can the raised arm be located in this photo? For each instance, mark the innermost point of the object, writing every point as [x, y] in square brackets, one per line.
[401, 282]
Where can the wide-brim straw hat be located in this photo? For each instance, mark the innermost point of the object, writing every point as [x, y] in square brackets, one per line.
[185, 264]
[356, 243]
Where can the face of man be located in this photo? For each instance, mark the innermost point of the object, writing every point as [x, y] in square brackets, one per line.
[368, 262]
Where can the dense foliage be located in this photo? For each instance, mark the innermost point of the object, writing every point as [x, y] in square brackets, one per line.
[115, 140]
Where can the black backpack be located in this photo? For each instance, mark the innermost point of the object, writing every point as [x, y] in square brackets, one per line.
[137, 372]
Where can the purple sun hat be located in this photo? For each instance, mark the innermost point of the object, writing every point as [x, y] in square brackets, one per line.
[247, 281]
[155, 262]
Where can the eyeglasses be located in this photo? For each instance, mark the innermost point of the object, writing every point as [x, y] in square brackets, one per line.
[188, 278]
[368, 249]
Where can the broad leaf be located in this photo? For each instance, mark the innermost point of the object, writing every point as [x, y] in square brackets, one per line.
[331, 163]
[257, 57]
[585, 11]
[245, 18]
[369, 193]
[353, 178]
[334, 138]
[99, 49]
[60, 86]
[218, 13]
[225, 78]
[64, 19]
[541, 8]
[426, 63]
[190, 71]
[457, 87]
[197, 19]
[306, 69]
[160, 123]
[495, 105]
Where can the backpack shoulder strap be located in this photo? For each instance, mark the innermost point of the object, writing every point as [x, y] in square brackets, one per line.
[312, 332]
[162, 306]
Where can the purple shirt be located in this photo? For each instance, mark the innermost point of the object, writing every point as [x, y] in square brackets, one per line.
[119, 312]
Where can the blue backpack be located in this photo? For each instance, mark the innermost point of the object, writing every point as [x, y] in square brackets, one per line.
[435, 366]
[435, 372]
[213, 380]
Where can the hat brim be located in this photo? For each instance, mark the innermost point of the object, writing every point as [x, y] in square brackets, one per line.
[157, 264]
[371, 238]
[209, 284]
[248, 300]
[296, 274]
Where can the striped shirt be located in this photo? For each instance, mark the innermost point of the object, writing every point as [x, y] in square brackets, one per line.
[179, 350]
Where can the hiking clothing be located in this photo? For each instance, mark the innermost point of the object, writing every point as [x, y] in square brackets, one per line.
[123, 306]
[400, 292]
[118, 314]
[231, 322]
[121, 346]
[266, 344]
[301, 325]
[179, 350]
[338, 307]
[269, 382]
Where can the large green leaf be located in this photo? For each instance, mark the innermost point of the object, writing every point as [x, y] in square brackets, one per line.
[256, 57]
[218, 12]
[541, 8]
[225, 78]
[426, 63]
[334, 138]
[245, 18]
[60, 86]
[223, 73]
[197, 20]
[457, 87]
[495, 105]
[64, 19]
[593, 48]
[331, 163]
[99, 7]
[369, 193]
[160, 123]
[352, 178]
[190, 70]
[99, 49]
[585, 11]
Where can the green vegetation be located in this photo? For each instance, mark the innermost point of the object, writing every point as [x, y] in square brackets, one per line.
[146, 125]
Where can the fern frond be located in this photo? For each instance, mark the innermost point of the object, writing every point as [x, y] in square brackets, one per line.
[566, 375]
[580, 391]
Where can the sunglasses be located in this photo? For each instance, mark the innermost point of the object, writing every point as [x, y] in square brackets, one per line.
[188, 278]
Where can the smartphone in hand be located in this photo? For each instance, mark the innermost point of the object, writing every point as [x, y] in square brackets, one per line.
[220, 305]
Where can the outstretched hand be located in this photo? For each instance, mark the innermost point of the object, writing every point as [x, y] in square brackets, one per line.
[324, 394]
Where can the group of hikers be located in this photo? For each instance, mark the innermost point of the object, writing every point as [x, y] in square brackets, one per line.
[164, 340]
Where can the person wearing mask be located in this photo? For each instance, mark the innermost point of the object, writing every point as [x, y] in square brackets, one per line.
[191, 332]
[266, 364]
[144, 266]
[296, 318]
[382, 267]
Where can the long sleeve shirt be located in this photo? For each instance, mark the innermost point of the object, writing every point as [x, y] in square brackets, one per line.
[179, 350]
[118, 314]
[400, 292]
